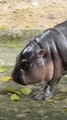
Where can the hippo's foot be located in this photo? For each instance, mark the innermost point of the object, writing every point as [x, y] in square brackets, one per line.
[43, 94]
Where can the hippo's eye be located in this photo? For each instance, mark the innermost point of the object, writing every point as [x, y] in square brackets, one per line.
[24, 64]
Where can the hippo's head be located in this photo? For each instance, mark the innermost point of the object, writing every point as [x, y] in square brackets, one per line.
[30, 65]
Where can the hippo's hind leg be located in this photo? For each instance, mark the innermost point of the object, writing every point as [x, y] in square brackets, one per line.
[46, 92]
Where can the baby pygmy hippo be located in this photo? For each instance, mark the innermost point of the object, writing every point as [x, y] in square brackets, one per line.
[43, 59]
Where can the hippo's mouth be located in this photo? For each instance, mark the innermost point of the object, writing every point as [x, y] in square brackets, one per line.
[19, 76]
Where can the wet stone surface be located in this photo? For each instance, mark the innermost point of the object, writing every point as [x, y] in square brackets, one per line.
[27, 108]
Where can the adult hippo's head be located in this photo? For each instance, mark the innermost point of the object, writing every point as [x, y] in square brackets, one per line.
[30, 65]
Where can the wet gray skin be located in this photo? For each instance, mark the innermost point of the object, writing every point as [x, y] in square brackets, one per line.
[27, 108]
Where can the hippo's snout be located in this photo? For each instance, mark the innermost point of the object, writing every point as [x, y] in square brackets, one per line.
[18, 76]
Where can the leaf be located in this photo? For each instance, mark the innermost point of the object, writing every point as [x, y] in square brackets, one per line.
[14, 97]
[28, 26]
[63, 90]
[60, 97]
[12, 90]
[2, 27]
[1, 70]
[65, 109]
[6, 79]
[26, 91]
[50, 101]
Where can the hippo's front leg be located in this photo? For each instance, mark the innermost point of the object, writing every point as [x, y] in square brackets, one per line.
[45, 93]
[48, 89]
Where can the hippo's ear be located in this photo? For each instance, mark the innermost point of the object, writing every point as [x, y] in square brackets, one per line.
[41, 52]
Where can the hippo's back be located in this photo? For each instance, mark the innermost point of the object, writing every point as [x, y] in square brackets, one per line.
[63, 28]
